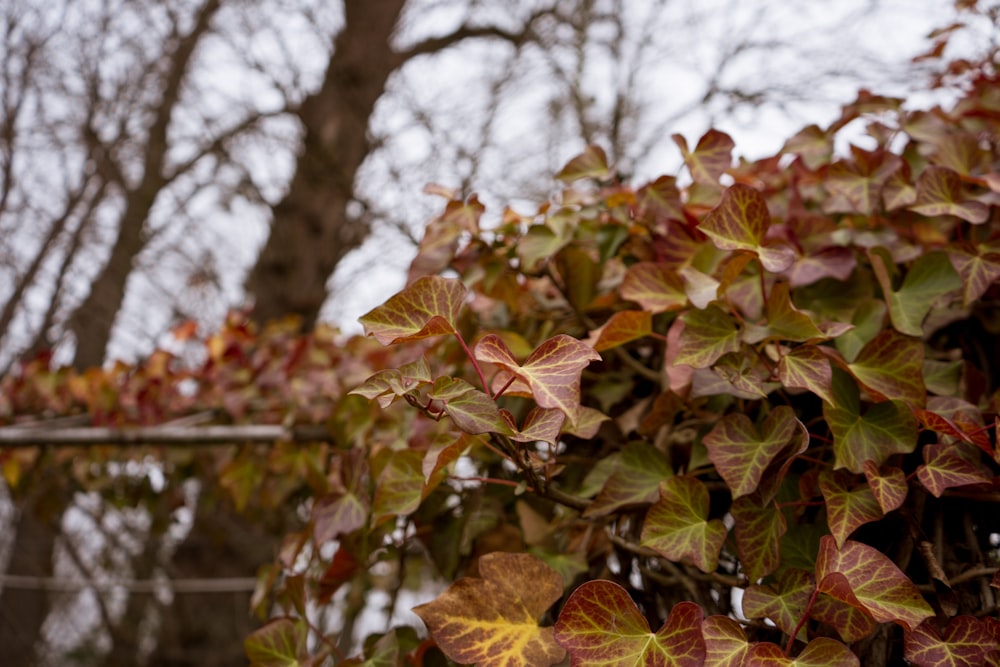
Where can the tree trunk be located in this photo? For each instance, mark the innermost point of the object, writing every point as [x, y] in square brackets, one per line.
[23, 610]
[208, 629]
[312, 229]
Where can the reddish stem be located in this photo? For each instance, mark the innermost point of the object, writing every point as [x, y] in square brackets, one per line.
[802, 621]
[505, 387]
[475, 364]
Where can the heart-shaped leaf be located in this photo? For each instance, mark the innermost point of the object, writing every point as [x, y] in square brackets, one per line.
[855, 184]
[279, 643]
[783, 601]
[706, 335]
[493, 621]
[888, 486]
[427, 307]
[552, 371]
[930, 277]
[725, 642]
[885, 429]
[591, 163]
[951, 465]
[600, 626]
[890, 367]
[740, 222]
[655, 287]
[866, 578]
[622, 327]
[847, 508]
[635, 480]
[711, 157]
[677, 525]
[806, 367]
[742, 452]
[758, 530]
[939, 192]
[978, 268]
[965, 641]
[471, 409]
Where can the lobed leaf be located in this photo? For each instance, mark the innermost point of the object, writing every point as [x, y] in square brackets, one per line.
[711, 157]
[279, 643]
[726, 644]
[428, 307]
[758, 530]
[930, 277]
[888, 486]
[635, 480]
[493, 621]
[783, 600]
[806, 367]
[706, 335]
[600, 626]
[939, 192]
[591, 163]
[740, 222]
[977, 266]
[622, 327]
[471, 409]
[677, 526]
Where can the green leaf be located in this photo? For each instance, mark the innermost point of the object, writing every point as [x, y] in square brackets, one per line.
[622, 327]
[655, 287]
[939, 192]
[806, 367]
[706, 335]
[600, 626]
[471, 409]
[635, 480]
[785, 321]
[930, 277]
[493, 621]
[740, 222]
[847, 508]
[965, 642]
[741, 452]
[758, 530]
[552, 371]
[280, 643]
[539, 244]
[592, 163]
[951, 465]
[867, 321]
[677, 526]
[890, 367]
[886, 428]
[428, 307]
[865, 578]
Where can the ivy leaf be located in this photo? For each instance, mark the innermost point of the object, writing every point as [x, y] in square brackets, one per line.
[950, 465]
[965, 642]
[725, 642]
[939, 192]
[740, 222]
[958, 419]
[847, 508]
[552, 371]
[346, 509]
[655, 287]
[662, 199]
[701, 288]
[783, 601]
[820, 652]
[851, 623]
[600, 626]
[493, 621]
[833, 262]
[865, 578]
[677, 526]
[758, 532]
[471, 409]
[591, 163]
[886, 428]
[622, 327]
[785, 321]
[813, 145]
[930, 277]
[279, 643]
[635, 480]
[706, 335]
[541, 424]
[711, 157]
[855, 184]
[428, 307]
[741, 452]
[388, 385]
[888, 486]
[890, 367]
[540, 243]
[400, 486]
[806, 367]
[978, 268]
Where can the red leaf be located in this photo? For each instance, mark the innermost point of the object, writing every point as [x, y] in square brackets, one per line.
[711, 157]
[428, 307]
[622, 327]
[939, 192]
[601, 625]
[966, 642]
[948, 466]
[740, 222]
[655, 287]
[592, 163]
[847, 508]
[677, 525]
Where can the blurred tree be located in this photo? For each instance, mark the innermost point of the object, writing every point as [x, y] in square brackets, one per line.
[148, 148]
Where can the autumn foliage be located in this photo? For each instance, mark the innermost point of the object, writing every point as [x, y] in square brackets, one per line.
[742, 416]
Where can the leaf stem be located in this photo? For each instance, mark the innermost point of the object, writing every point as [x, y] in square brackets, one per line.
[802, 621]
[475, 364]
